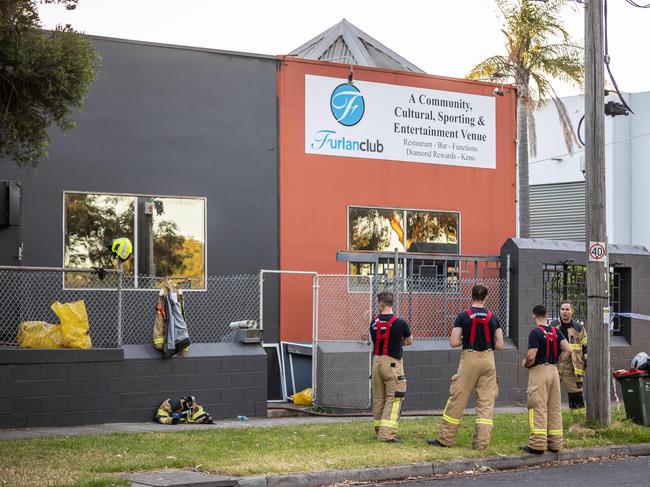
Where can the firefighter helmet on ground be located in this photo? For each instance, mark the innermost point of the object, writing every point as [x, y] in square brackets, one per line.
[122, 247]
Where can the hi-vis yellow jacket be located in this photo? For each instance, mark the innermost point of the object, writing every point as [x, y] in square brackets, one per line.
[578, 341]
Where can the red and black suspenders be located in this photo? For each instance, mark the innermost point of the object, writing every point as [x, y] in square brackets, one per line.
[552, 338]
[382, 333]
[486, 327]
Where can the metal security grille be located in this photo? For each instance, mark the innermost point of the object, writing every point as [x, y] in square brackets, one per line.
[342, 353]
[557, 211]
[568, 282]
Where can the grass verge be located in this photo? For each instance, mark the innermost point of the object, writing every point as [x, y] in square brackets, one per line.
[89, 461]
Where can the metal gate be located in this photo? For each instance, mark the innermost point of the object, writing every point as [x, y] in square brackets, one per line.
[343, 306]
[341, 347]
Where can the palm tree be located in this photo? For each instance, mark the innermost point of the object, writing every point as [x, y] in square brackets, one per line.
[538, 50]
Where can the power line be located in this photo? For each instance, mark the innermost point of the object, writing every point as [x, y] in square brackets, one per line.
[634, 4]
[557, 156]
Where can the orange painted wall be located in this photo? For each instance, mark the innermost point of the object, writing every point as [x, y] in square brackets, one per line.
[316, 190]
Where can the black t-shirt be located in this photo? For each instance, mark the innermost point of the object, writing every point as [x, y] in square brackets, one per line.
[537, 339]
[398, 331]
[564, 328]
[465, 322]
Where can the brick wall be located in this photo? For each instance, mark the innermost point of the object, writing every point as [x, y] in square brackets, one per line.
[77, 387]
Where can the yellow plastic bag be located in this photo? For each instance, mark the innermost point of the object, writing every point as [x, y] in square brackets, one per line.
[38, 334]
[303, 398]
[74, 323]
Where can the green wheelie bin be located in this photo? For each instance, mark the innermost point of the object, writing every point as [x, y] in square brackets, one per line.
[636, 394]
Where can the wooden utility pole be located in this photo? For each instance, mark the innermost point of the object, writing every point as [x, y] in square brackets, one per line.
[598, 368]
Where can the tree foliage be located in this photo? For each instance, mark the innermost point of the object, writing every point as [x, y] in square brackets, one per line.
[538, 51]
[169, 250]
[44, 77]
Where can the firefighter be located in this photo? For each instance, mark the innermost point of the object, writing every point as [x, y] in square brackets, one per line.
[547, 347]
[388, 333]
[572, 371]
[478, 331]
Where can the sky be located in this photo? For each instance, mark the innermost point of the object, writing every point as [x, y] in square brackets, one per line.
[441, 37]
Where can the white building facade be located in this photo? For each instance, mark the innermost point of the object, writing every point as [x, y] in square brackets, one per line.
[557, 182]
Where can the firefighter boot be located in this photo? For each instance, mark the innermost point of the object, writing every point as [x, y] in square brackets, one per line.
[576, 400]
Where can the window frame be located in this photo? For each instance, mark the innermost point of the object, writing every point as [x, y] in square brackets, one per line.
[135, 242]
[404, 212]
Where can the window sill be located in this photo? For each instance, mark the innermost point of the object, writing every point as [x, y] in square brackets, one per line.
[618, 342]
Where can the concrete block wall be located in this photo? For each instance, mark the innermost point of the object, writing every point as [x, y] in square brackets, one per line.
[78, 387]
[342, 372]
[527, 257]
[429, 366]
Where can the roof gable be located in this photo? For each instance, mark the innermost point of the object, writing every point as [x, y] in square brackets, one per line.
[346, 43]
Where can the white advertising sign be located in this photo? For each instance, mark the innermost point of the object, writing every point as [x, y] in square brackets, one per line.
[399, 123]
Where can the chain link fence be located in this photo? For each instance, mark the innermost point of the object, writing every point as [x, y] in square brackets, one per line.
[207, 312]
[118, 312]
[342, 354]
[27, 294]
[345, 306]
[431, 305]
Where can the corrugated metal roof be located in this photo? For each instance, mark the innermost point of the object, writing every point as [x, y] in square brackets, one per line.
[339, 50]
[382, 59]
[346, 43]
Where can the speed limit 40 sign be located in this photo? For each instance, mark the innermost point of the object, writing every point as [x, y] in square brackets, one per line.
[597, 252]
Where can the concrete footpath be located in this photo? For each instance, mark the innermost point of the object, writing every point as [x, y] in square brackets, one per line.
[185, 478]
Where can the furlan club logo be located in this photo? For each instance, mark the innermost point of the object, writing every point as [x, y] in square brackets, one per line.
[347, 104]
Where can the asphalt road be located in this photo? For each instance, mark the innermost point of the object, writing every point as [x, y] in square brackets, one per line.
[631, 472]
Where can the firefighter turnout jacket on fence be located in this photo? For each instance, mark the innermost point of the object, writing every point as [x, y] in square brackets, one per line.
[183, 410]
[476, 371]
[170, 334]
[388, 380]
[572, 371]
[544, 413]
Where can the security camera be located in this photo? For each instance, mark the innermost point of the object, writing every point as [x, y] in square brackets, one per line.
[498, 92]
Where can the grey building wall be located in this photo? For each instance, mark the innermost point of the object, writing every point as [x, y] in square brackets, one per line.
[342, 373]
[77, 387]
[527, 257]
[169, 121]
